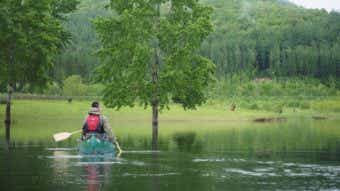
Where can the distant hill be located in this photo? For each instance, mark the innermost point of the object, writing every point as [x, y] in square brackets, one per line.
[259, 37]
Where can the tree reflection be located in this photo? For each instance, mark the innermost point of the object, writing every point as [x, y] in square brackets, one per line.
[187, 141]
[155, 179]
[8, 136]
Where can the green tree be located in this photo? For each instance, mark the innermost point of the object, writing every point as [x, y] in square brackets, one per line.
[30, 37]
[73, 86]
[151, 55]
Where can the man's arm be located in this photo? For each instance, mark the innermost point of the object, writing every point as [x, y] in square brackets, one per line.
[112, 137]
[108, 129]
[83, 127]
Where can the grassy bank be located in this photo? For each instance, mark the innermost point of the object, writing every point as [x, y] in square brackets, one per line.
[46, 117]
[277, 95]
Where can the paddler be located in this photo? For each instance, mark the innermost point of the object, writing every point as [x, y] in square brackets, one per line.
[95, 122]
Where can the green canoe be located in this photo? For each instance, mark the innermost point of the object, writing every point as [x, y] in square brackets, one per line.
[94, 144]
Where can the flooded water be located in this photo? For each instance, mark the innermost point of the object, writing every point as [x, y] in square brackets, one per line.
[294, 155]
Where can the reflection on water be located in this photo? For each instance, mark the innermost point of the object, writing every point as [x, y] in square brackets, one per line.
[93, 183]
[96, 170]
[187, 142]
[290, 156]
[93, 168]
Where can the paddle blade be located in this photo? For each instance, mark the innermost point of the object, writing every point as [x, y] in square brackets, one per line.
[61, 136]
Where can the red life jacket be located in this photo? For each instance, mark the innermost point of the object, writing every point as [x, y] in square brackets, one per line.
[93, 124]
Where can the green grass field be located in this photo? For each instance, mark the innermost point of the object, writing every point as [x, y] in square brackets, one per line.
[48, 117]
[37, 111]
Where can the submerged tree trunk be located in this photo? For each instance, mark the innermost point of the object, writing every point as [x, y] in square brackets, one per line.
[8, 116]
[154, 126]
[8, 105]
[8, 112]
[9, 92]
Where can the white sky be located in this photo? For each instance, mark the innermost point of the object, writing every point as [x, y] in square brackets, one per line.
[326, 4]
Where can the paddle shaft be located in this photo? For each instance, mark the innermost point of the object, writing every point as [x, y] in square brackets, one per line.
[118, 147]
[74, 132]
[64, 135]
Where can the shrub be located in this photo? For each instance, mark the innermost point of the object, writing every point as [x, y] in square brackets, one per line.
[53, 89]
[94, 89]
[305, 105]
[73, 86]
[329, 105]
[254, 106]
[2, 100]
[266, 88]
[293, 103]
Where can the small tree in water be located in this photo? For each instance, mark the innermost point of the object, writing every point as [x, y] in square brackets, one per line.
[150, 54]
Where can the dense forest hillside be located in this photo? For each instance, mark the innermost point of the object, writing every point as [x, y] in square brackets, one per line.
[272, 38]
[79, 57]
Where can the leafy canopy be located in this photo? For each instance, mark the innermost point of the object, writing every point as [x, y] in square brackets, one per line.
[130, 38]
[30, 37]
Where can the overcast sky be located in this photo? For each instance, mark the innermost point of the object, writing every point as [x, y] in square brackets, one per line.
[326, 4]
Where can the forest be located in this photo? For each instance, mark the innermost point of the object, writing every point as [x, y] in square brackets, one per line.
[251, 39]
[261, 38]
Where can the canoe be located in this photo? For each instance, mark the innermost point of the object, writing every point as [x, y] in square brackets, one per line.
[95, 144]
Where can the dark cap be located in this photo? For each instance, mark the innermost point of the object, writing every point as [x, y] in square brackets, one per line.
[95, 104]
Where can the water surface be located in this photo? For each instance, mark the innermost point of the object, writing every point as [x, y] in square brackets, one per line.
[300, 154]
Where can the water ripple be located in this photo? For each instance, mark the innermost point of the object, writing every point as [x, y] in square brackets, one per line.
[97, 163]
[249, 173]
[65, 157]
[148, 174]
[218, 160]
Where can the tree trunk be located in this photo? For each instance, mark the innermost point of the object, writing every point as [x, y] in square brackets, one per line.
[155, 84]
[154, 126]
[9, 92]
[8, 109]
[8, 112]
[155, 100]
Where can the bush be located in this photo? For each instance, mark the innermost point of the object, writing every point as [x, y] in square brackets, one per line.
[306, 87]
[2, 100]
[293, 103]
[305, 105]
[53, 89]
[328, 105]
[73, 86]
[266, 88]
[95, 89]
[254, 106]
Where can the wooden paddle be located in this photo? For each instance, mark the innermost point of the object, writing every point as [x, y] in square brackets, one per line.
[64, 135]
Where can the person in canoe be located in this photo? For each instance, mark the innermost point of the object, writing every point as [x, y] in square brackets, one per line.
[95, 122]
